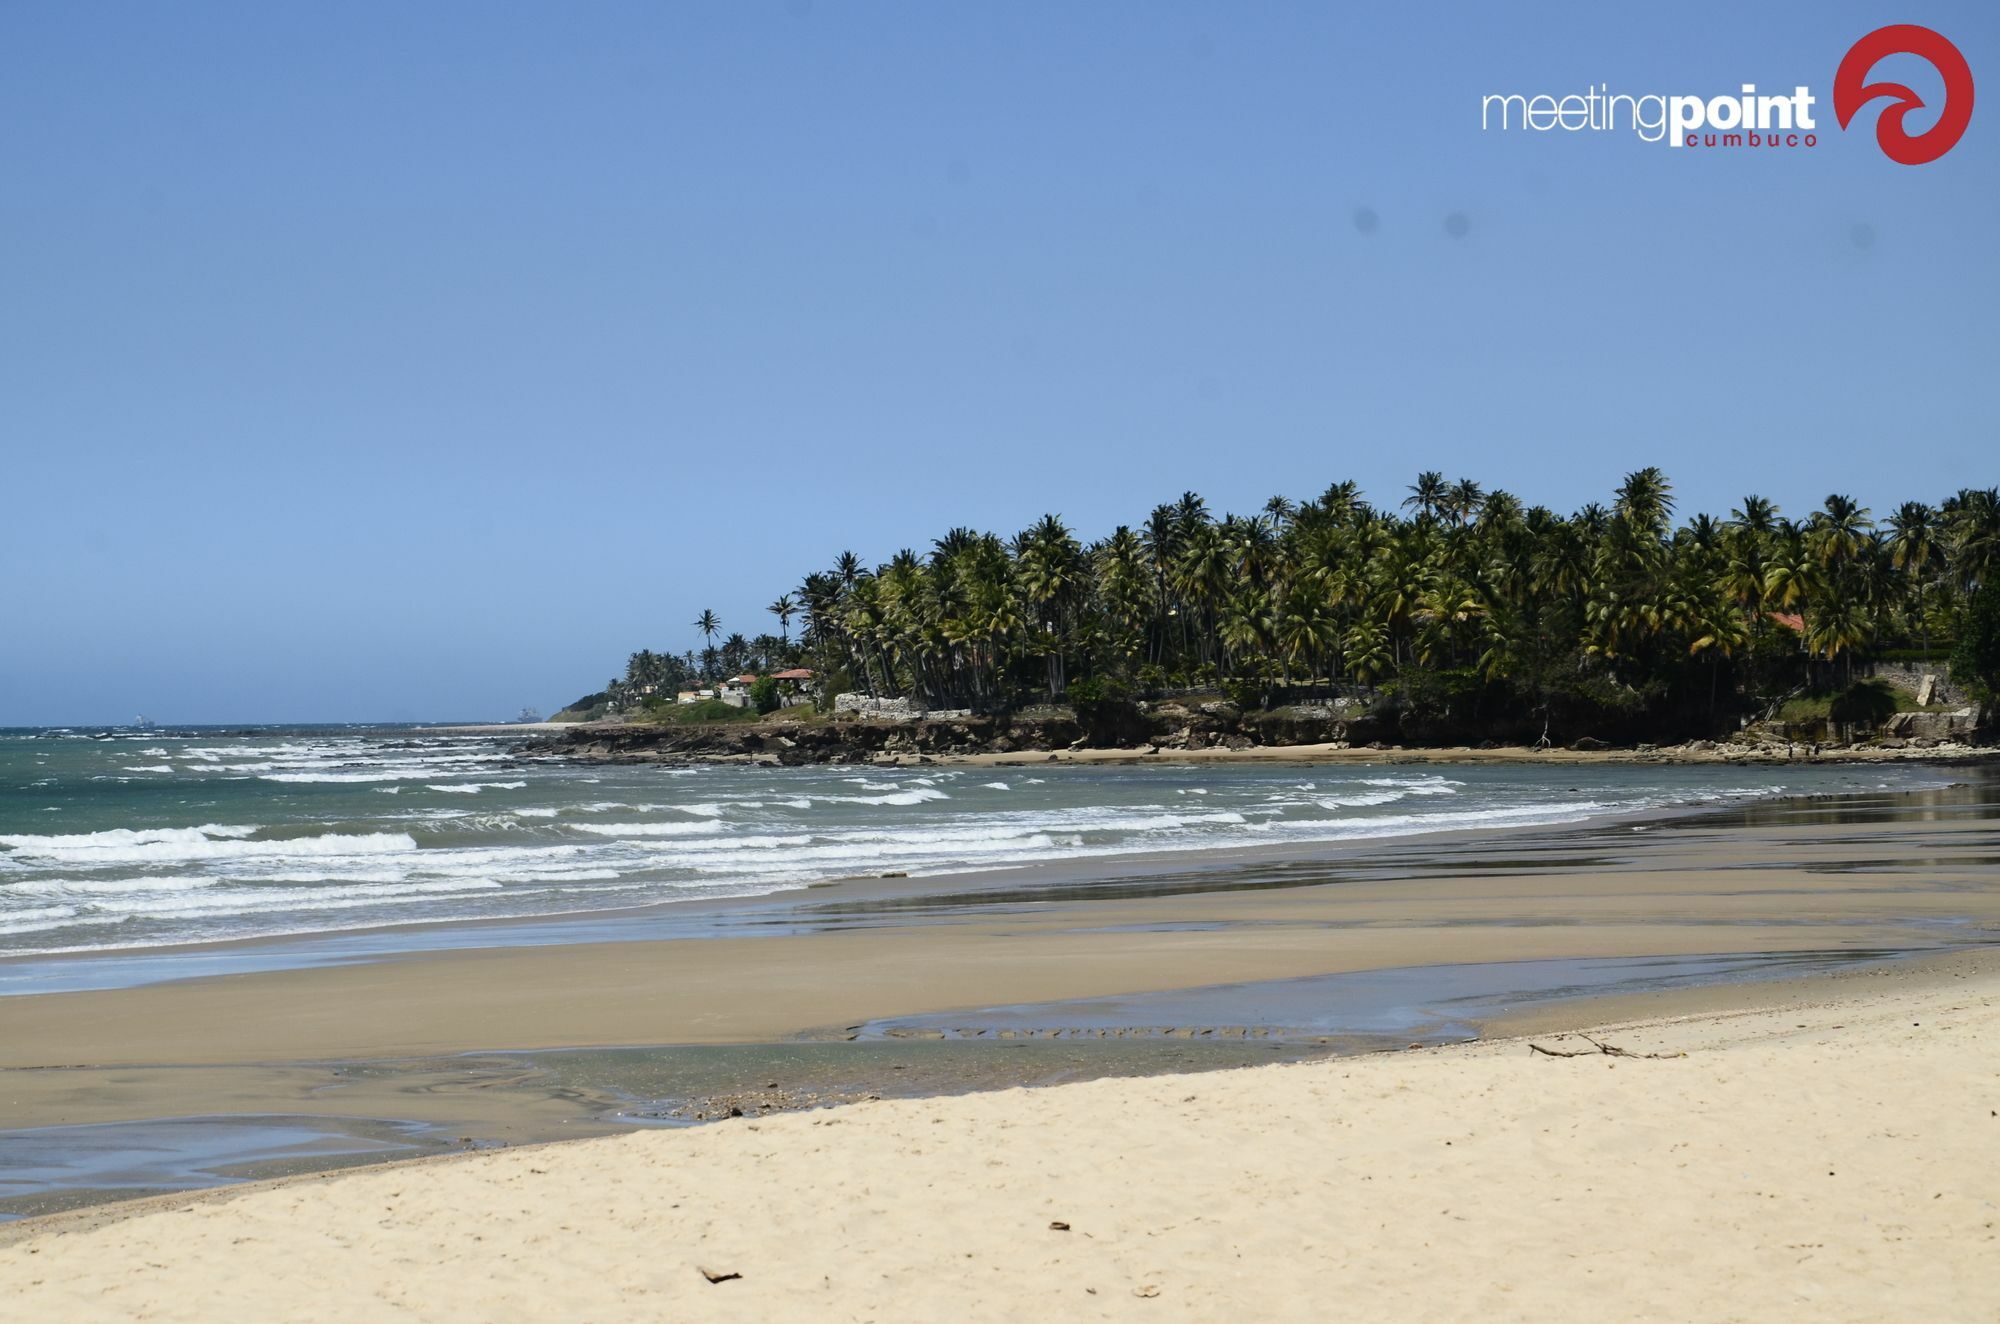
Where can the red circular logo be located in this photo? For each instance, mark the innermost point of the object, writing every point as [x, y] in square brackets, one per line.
[1850, 93]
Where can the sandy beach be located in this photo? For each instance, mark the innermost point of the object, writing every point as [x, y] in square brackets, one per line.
[1837, 1160]
[1823, 1150]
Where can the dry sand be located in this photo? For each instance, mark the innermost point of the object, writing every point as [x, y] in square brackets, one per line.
[1829, 1162]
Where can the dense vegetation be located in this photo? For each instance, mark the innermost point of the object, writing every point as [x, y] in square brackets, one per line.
[1464, 601]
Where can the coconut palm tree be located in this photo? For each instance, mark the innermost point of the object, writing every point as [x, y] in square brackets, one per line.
[1916, 549]
[1838, 531]
[1645, 500]
[784, 609]
[1972, 518]
[708, 623]
[1427, 494]
[1620, 598]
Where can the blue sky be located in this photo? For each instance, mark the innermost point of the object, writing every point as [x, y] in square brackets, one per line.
[380, 361]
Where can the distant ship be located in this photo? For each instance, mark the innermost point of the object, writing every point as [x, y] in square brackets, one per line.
[144, 723]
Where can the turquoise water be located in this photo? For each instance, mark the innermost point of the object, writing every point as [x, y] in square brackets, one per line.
[142, 839]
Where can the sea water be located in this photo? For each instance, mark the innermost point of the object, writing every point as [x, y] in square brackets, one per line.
[141, 839]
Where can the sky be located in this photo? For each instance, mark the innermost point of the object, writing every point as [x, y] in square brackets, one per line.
[379, 361]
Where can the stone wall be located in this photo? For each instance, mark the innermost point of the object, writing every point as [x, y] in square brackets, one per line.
[1910, 676]
[903, 709]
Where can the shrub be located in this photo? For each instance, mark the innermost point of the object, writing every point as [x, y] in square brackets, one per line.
[708, 710]
[1245, 694]
[764, 695]
[1866, 703]
[1975, 662]
[1105, 711]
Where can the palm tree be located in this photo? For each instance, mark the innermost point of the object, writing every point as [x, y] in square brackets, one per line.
[735, 653]
[1427, 494]
[1049, 566]
[1462, 500]
[1838, 530]
[1914, 546]
[708, 623]
[1972, 517]
[847, 568]
[1546, 614]
[1645, 500]
[784, 609]
[1756, 515]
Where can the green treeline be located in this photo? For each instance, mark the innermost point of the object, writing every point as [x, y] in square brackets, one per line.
[1614, 616]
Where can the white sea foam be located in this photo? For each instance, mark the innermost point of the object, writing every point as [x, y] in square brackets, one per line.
[649, 829]
[916, 795]
[374, 775]
[114, 887]
[1383, 825]
[347, 896]
[129, 837]
[180, 845]
[1416, 786]
[1151, 822]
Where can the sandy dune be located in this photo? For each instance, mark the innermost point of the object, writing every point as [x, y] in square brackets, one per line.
[1835, 1161]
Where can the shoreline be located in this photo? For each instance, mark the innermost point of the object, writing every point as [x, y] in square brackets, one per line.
[1034, 976]
[1483, 1179]
[968, 882]
[899, 947]
[1673, 885]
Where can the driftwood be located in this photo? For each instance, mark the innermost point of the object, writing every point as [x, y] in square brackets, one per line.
[717, 1276]
[1598, 1048]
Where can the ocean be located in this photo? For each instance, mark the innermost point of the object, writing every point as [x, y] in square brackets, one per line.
[148, 840]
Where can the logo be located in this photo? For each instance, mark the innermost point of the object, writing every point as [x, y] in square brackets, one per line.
[1749, 119]
[1850, 93]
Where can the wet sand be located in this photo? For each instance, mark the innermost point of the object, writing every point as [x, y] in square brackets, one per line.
[897, 987]
[1907, 873]
[1829, 1160]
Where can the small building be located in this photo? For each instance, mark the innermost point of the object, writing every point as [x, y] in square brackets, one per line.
[795, 686]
